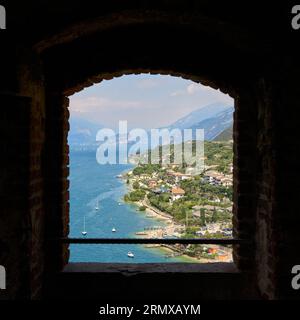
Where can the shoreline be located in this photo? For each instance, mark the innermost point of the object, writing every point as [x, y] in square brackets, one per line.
[168, 230]
[171, 229]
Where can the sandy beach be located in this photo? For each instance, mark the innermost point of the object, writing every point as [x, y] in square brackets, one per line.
[170, 230]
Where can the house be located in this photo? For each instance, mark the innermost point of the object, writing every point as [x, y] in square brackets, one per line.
[227, 233]
[164, 189]
[211, 180]
[152, 184]
[226, 182]
[177, 193]
[212, 251]
[179, 176]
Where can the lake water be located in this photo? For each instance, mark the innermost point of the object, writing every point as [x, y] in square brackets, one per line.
[89, 183]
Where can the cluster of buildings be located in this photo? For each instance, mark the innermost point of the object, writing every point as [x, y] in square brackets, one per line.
[213, 228]
[216, 178]
[178, 176]
[158, 185]
[209, 208]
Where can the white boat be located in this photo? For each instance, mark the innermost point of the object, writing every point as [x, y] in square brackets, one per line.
[113, 230]
[84, 233]
[97, 205]
[130, 254]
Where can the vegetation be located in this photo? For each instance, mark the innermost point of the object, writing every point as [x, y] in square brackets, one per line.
[212, 199]
[136, 195]
[146, 169]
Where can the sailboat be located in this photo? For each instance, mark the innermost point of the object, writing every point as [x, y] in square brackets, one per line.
[84, 233]
[130, 254]
[97, 205]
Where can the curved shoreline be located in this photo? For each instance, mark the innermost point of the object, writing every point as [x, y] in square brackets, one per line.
[169, 231]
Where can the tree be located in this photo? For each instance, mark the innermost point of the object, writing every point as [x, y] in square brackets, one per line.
[135, 185]
[214, 217]
[202, 217]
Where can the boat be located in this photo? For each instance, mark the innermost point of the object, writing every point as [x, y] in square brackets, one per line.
[113, 230]
[84, 233]
[97, 205]
[130, 254]
[141, 233]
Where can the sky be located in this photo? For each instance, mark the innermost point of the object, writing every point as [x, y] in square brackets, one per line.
[145, 101]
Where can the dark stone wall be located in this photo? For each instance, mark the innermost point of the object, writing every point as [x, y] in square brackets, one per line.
[22, 185]
[47, 56]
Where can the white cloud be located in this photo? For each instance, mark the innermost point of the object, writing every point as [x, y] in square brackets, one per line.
[193, 88]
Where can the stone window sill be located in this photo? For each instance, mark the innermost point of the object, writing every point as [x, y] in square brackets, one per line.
[128, 269]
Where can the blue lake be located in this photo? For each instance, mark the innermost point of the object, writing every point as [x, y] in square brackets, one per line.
[89, 183]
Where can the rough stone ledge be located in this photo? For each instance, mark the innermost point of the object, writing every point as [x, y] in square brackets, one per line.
[127, 269]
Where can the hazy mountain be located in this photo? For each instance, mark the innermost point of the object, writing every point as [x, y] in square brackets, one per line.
[199, 115]
[82, 131]
[225, 135]
[214, 119]
[215, 125]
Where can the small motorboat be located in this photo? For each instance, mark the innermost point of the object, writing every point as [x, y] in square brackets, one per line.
[113, 230]
[84, 233]
[130, 254]
[97, 205]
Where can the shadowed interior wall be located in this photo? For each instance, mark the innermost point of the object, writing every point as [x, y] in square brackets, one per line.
[75, 47]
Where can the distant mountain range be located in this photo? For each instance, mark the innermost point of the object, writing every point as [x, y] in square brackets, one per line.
[214, 119]
[82, 131]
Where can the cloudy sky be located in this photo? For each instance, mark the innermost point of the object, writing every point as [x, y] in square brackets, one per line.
[145, 101]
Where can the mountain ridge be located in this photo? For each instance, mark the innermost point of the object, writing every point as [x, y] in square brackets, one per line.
[213, 118]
